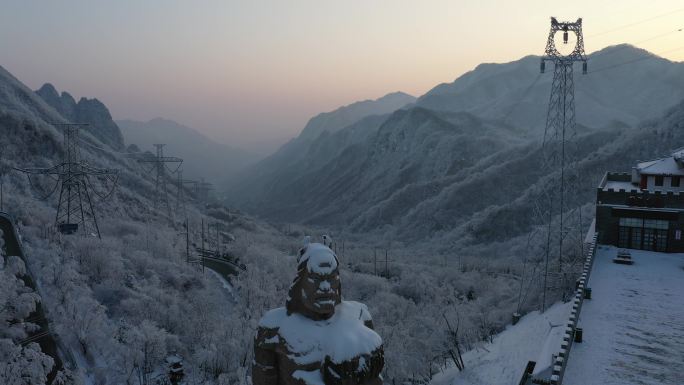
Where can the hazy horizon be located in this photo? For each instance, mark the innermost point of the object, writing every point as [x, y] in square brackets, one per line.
[244, 73]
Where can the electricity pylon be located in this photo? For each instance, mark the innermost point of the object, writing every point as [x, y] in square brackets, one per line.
[559, 133]
[202, 189]
[159, 166]
[75, 208]
[180, 189]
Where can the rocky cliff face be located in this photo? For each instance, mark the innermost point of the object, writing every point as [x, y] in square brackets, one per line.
[91, 111]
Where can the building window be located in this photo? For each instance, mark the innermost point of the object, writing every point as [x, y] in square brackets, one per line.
[636, 238]
[661, 240]
[659, 180]
[623, 237]
[656, 224]
[645, 234]
[675, 181]
[631, 222]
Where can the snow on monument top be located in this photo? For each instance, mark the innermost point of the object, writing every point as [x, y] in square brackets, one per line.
[318, 258]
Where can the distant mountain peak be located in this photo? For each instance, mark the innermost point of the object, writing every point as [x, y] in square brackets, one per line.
[622, 46]
[396, 94]
[48, 90]
[395, 97]
[344, 116]
[91, 111]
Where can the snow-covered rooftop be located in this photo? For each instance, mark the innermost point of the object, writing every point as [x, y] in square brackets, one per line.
[664, 166]
[634, 324]
[617, 185]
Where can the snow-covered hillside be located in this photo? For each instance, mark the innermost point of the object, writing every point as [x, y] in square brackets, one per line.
[432, 172]
[624, 83]
[344, 116]
[502, 361]
[122, 304]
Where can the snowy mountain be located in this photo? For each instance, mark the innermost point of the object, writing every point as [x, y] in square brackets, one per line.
[624, 83]
[204, 158]
[17, 99]
[452, 164]
[92, 111]
[455, 187]
[122, 304]
[344, 116]
[322, 139]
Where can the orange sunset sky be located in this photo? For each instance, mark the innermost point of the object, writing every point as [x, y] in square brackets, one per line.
[247, 71]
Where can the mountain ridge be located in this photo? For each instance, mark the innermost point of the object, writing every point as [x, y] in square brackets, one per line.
[351, 113]
[418, 170]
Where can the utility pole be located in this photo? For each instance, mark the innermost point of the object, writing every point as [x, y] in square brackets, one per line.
[375, 261]
[75, 210]
[202, 252]
[202, 189]
[560, 123]
[181, 196]
[218, 248]
[187, 241]
[386, 266]
[159, 167]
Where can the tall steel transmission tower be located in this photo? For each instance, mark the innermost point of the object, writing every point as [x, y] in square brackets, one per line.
[75, 210]
[159, 167]
[560, 117]
[560, 132]
[181, 190]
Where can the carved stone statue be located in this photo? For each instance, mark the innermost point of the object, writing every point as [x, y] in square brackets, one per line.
[317, 338]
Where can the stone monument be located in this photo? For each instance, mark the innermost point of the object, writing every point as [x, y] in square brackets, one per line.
[317, 338]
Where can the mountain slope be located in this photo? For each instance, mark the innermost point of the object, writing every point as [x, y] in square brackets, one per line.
[624, 83]
[17, 99]
[131, 299]
[324, 137]
[110, 299]
[344, 116]
[456, 162]
[203, 157]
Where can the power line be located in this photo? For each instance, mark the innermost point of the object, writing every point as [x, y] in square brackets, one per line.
[159, 166]
[637, 22]
[600, 54]
[592, 57]
[654, 56]
[521, 98]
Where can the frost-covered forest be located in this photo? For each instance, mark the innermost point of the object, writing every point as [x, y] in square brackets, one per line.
[122, 304]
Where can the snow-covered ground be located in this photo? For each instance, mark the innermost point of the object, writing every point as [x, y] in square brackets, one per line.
[503, 361]
[634, 323]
